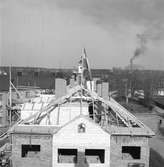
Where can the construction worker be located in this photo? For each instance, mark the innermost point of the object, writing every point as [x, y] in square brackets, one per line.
[158, 127]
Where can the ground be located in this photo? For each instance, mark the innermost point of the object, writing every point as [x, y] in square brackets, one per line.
[151, 119]
[157, 142]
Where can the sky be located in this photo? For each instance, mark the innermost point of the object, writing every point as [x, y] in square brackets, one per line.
[53, 33]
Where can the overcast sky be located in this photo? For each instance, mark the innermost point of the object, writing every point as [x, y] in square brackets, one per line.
[52, 33]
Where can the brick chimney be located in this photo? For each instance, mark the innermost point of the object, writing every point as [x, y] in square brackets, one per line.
[60, 87]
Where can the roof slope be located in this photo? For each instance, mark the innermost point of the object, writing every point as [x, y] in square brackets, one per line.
[109, 114]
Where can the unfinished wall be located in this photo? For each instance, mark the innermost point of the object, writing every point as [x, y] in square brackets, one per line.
[43, 158]
[118, 159]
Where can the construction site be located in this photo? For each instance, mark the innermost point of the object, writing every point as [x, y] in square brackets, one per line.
[80, 125]
[57, 108]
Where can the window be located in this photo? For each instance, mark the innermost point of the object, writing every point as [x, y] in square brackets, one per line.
[131, 152]
[90, 109]
[67, 155]
[95, 155]
[81, 128]
[30, 150]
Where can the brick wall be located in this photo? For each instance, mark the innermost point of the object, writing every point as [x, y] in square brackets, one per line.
[43, 159]
[116, 150]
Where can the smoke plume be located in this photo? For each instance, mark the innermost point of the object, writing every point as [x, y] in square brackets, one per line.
[154, 33]
[140, 50]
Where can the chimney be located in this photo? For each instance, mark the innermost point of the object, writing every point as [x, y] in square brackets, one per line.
[95, 83]
[105, 90]
[60, 87]
[131, 64]
[99, 88]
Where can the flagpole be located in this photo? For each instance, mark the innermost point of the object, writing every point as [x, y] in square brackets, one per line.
[81, 83]
[82, 62]
[88, 68]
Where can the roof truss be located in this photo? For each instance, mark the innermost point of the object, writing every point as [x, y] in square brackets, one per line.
[112, 111]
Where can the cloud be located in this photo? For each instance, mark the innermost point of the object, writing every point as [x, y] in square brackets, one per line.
[46, 32]
[122, 14]
[109, 11]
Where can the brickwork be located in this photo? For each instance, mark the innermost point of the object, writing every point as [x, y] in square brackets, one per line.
[43, 159]
[116, 150]
[69, 137]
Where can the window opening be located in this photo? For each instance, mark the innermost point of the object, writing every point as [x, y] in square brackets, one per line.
[30, 150]
[95, 155]
[67, 155]
[131, 152]
[90, 109]
[81, 128]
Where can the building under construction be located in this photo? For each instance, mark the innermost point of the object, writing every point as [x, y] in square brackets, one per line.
[81, 126]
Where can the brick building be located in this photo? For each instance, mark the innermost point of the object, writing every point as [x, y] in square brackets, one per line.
[63, 134]
[80, 128]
